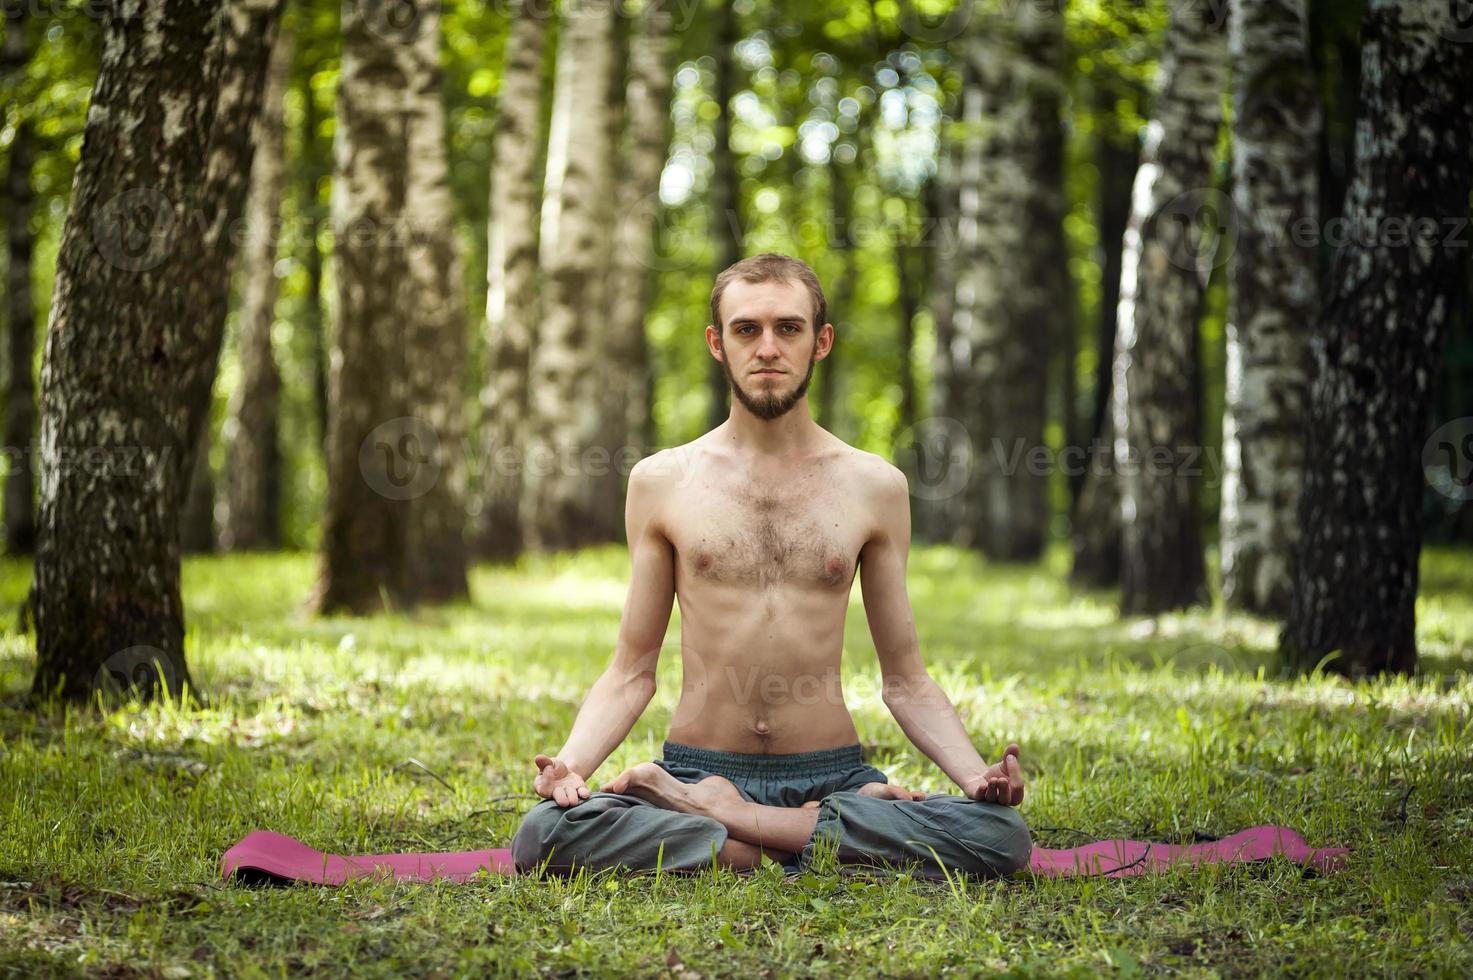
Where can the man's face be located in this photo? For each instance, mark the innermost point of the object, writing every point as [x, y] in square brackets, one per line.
[769, 343]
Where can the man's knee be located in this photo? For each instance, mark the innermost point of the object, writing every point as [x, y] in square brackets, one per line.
[1013, 842]
[536, 838]
[995, 837]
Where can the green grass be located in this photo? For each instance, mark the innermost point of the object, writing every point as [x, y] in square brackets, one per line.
[112, 827]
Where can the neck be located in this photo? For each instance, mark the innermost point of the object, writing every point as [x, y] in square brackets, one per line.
[793, 432]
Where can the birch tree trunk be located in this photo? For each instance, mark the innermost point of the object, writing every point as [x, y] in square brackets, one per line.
[133, 341]
[436, 338]
[20, 389]
[511, 300]
[252, 498]
[1095, 520]
[1273, 299]
[559, 509]
[645, 147]
[1377, 345]
[1009, 286]
[310, 213]
[937, 507]
[378, 457]
[726, 219]
[1163, 278]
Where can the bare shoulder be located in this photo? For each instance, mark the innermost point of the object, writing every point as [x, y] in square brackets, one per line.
[880, 480]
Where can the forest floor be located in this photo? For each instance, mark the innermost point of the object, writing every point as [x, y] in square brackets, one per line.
[112, 826]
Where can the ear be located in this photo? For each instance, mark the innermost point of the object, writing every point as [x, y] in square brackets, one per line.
[825, 341]
[713, 342]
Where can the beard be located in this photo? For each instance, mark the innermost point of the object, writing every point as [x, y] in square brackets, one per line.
[766, 404]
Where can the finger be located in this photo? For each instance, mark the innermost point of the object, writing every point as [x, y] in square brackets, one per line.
[583, 790]
[810, 805]
[1012, 749]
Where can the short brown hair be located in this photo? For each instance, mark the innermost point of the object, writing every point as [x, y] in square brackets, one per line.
[770, 267]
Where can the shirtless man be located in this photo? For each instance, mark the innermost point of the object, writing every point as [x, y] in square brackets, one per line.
[759, 533]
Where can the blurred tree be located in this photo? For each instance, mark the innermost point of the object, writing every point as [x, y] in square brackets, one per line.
[1009, 287]
[1273, 288]
[20, 314]
[644, 145]
[511, 300]
[559, 509]
[197, 515]
[726, 221]
[131, 354]
[1376, 346]
[377, 457]
[436, 334]
[252, 498]
[1167, 259]
[1095, 518]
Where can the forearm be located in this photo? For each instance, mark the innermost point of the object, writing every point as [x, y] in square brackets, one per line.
[612, 706]
[930, 721]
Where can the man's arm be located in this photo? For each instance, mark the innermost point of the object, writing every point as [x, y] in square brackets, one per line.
[923, 710]
[623, 691]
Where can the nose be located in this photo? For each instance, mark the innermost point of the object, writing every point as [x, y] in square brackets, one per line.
[768, 349]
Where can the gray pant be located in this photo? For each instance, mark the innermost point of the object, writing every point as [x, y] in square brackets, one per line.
[611, 830]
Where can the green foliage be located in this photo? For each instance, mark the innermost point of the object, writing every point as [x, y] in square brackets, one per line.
[113, 824]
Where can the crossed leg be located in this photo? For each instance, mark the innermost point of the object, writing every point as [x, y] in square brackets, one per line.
[876, 824]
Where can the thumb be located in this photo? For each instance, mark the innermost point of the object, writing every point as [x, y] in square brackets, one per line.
[1011, 750]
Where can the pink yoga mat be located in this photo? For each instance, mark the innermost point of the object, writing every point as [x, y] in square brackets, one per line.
[266, 857]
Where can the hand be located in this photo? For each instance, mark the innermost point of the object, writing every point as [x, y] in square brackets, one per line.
[1001, 783]
[889, 791]
[555, 781]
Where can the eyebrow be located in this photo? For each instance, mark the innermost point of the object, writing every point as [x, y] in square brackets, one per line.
[785, 318]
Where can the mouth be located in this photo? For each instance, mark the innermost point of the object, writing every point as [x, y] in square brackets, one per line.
[761, 373]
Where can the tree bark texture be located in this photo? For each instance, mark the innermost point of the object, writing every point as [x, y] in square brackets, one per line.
[1273, 298]
[436, 331]
[136, 320]
[564, 460]
[644, 148]
[1008, 305]
[1164, 272]
[20, 388]
[252, 477]
[511, 301]
[1377, 345]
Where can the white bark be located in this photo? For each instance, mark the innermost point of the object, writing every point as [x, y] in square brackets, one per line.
[1273, 298]
[559, 505]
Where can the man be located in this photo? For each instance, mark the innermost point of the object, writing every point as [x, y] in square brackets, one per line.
[760, 537]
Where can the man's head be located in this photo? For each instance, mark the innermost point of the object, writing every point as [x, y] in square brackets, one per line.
[768, 326]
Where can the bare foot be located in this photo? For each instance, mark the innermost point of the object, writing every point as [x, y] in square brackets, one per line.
[889, 791]
[654, 785]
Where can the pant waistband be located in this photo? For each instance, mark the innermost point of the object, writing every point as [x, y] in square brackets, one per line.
[747, 765]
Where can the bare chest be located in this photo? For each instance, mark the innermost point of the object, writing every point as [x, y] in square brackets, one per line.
[747, 535]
